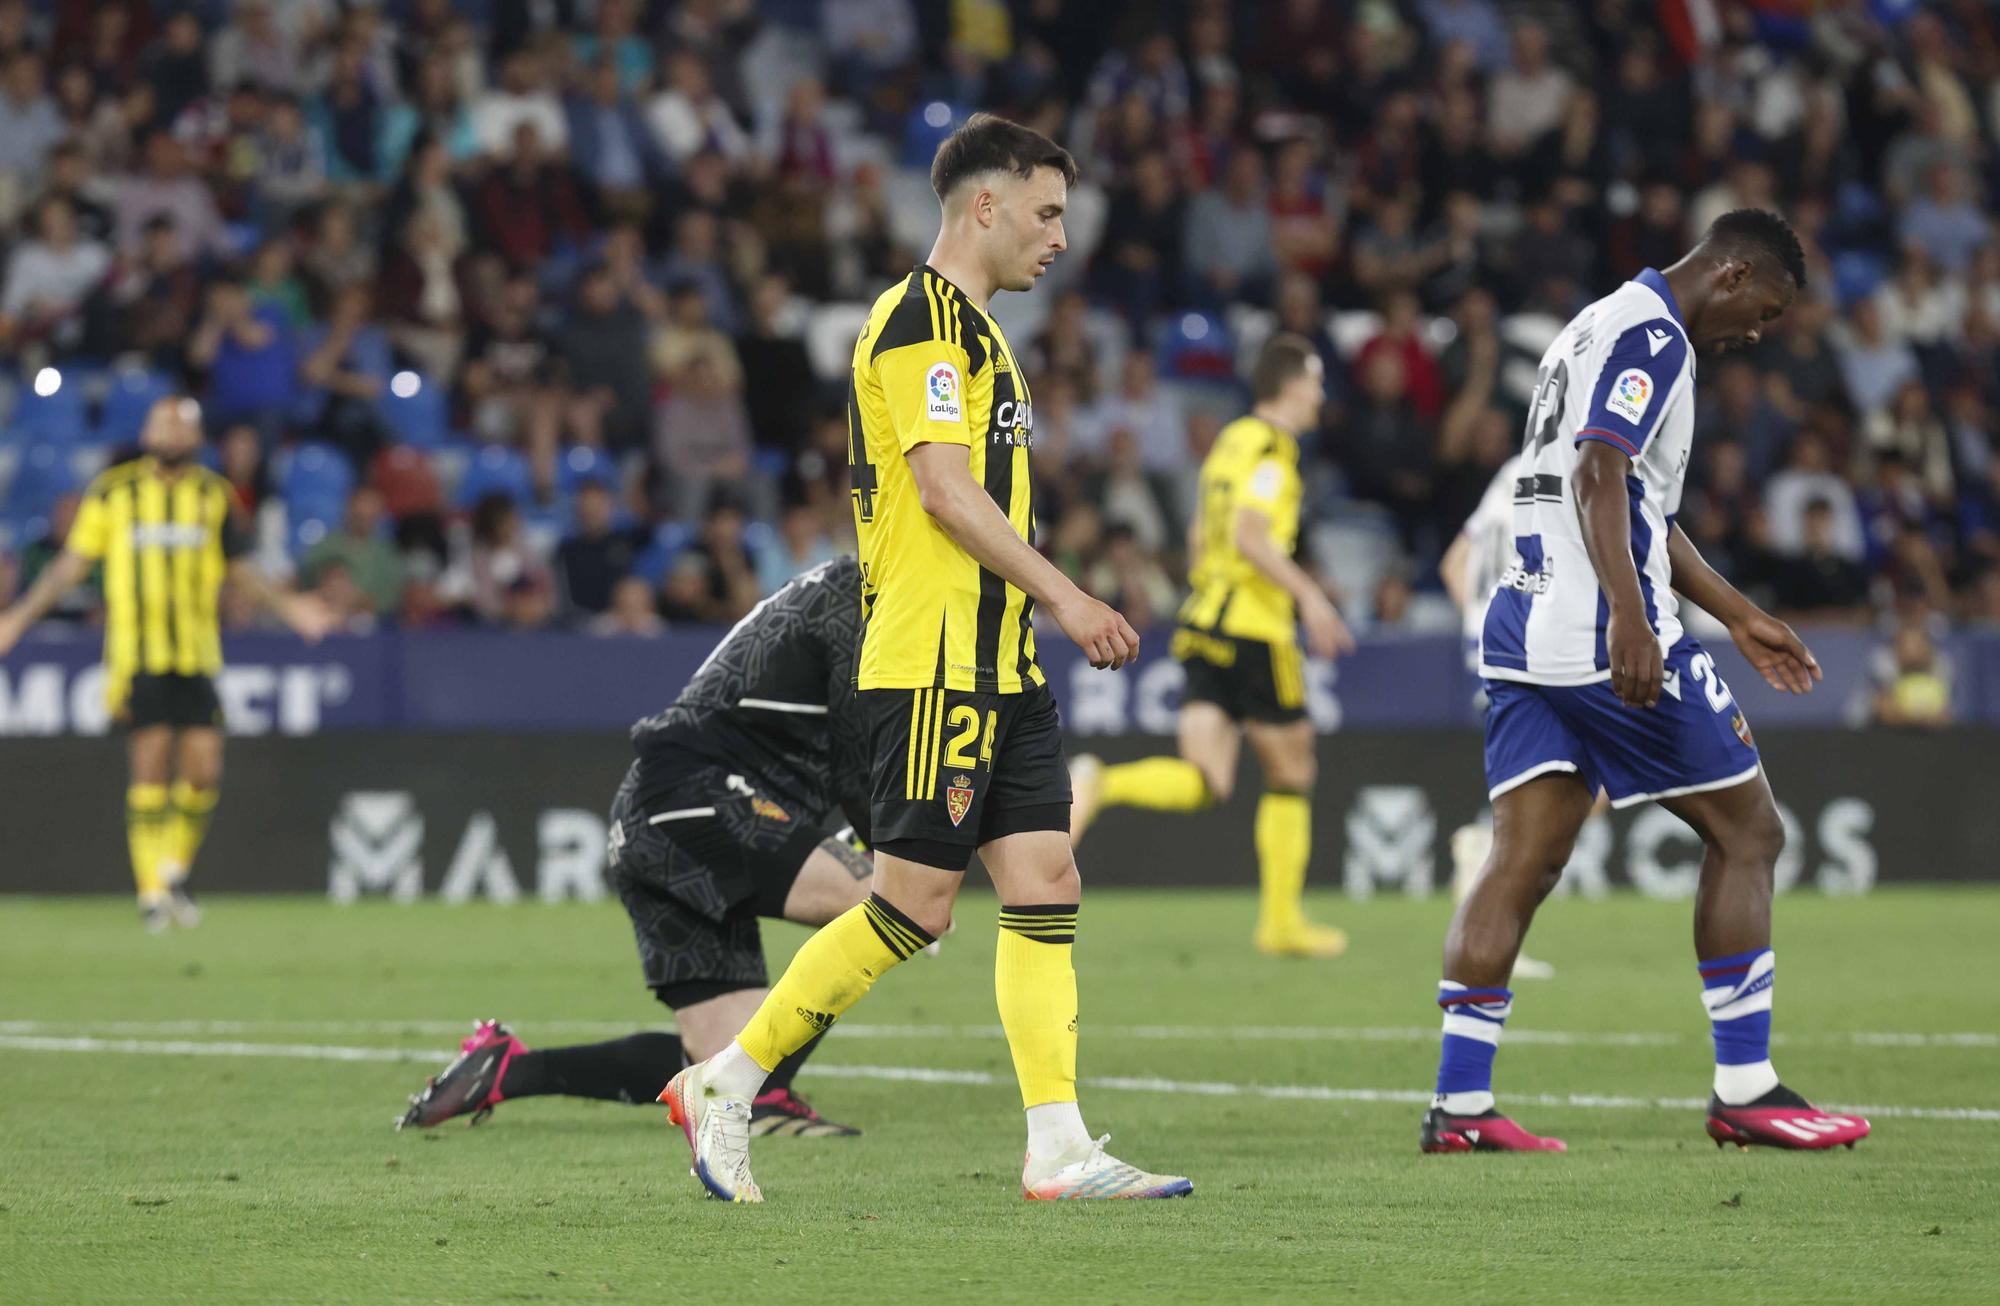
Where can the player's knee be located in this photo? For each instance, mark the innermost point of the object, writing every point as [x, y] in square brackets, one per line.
[1295, 774]
[1060, 881]
[1220, 786]
[1534, 870]
[1759, 840]
[932, 913]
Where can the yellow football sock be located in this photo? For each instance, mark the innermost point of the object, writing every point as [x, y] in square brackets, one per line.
[1035, 986]
[145, 832]
[833, 971]
[1284, 845]
[1163, 784]
[187, 825]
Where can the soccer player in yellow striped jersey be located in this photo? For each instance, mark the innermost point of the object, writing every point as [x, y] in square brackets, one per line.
[966, 741]
[161, 527]
[1237, 643]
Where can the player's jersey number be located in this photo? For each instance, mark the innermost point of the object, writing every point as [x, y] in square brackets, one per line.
[965, 722]
[1545, 413]
[1702, 667]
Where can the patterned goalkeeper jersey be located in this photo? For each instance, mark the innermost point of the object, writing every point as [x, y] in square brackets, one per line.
[776, 700]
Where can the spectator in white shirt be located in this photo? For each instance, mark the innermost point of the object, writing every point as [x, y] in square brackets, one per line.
[254, 48]
[689, 117]
[1808, 478]
[1873, 363]
[1153, 415]
[522, 96]
[48, 278]
[1227, 244]
[1917, 306]
[1530, 98]
[868, 36]
[167, 188]
[30, 123]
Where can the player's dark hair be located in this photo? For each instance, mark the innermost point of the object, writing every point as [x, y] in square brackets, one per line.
[1762, 238]
[1283, 357]
[990, 143]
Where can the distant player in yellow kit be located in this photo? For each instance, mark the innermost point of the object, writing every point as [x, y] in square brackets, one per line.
[161, 526]
[1238, 643]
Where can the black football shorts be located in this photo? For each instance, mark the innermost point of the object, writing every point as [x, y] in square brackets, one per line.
[695, 864]
[955, 769]
[182, 702]
[1250, 679]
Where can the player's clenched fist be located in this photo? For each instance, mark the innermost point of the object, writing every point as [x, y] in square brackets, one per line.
[1105, 637]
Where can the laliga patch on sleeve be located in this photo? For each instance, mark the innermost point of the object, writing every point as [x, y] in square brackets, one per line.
[1630, 394]
[941, 402]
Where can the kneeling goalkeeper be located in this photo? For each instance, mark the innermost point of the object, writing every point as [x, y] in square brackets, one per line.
[720, 820]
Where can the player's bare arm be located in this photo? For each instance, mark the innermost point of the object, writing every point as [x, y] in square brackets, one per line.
[1455, 569]
[1327, 635]
[975, 523]
[1605, 511]
[1769, 645]
[311, 619]
[56, 580]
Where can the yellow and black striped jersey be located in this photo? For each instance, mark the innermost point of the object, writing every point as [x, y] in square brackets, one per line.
[930, 367]
[165, 545]
[1253, 465]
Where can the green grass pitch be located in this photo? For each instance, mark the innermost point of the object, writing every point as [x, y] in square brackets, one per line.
[206, 1116]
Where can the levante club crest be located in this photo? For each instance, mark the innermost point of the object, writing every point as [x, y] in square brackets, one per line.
[958, 797]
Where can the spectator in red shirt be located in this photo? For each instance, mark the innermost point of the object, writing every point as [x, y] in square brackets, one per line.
[1402, 335]
[528, 206]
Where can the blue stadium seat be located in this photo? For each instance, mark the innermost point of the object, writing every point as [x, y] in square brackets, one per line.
[58, 416]
[580, 463]
[243, 238]
[926, 127]
[421, 418]
[497, 469]
[314, 481]
[44, 474]
[129, 396]
[1856, 275]
[669, 538]
[1195, 347]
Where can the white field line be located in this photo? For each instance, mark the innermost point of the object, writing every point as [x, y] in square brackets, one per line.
[1150, 1033]
[926, 1075]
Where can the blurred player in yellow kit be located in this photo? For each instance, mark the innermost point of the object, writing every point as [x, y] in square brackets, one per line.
[1238, 643]
[162, 528]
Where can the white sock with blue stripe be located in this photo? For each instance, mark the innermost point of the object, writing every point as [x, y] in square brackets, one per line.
[1473, 1019]
[1736, 990]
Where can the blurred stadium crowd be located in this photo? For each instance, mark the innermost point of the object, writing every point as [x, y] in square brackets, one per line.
[533, 312]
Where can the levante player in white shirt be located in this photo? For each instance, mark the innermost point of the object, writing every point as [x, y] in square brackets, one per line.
[1592, 683]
